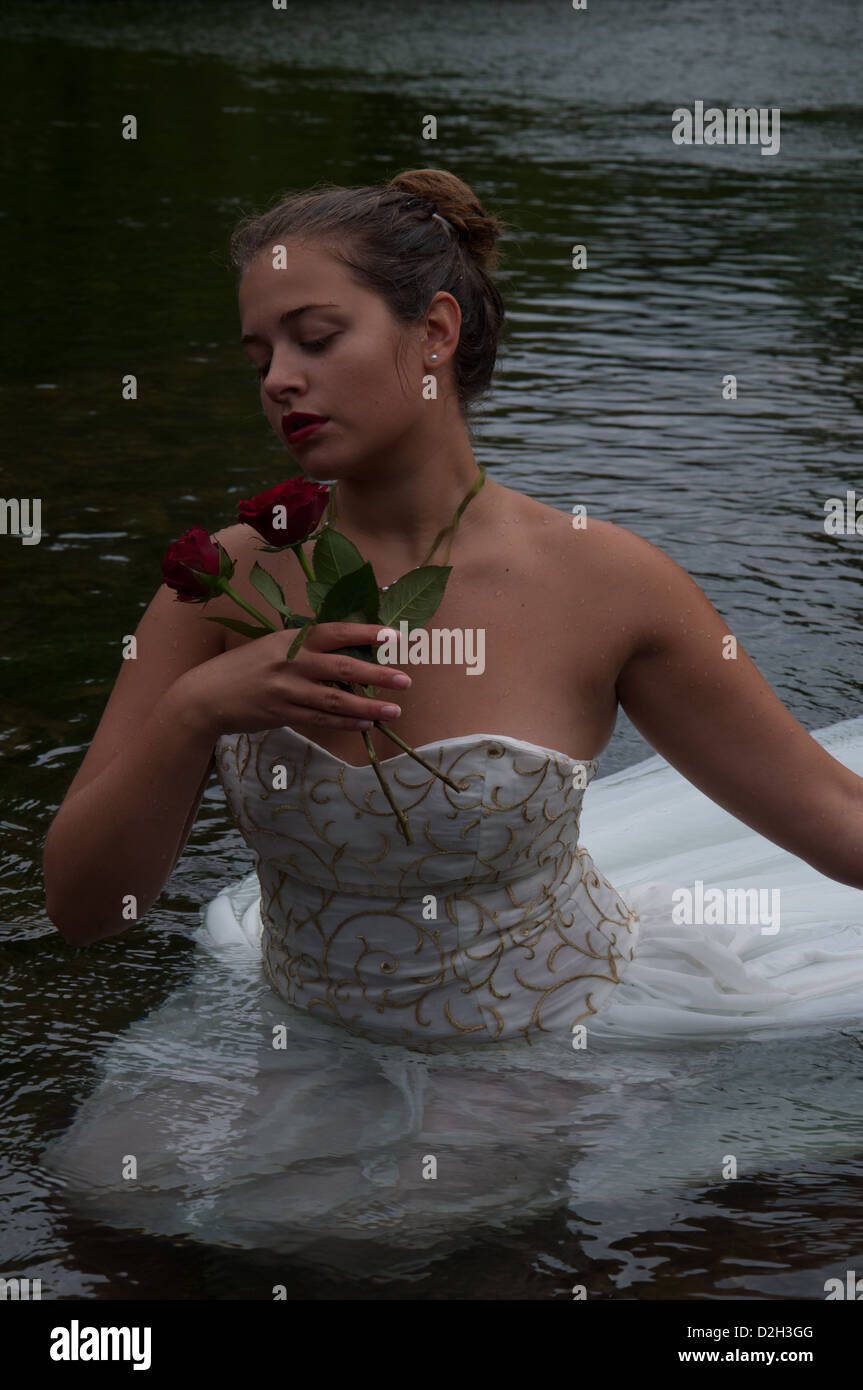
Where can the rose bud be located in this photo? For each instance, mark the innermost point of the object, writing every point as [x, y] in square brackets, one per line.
[195, 565]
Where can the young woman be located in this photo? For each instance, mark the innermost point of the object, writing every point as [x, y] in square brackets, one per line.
[439, 977]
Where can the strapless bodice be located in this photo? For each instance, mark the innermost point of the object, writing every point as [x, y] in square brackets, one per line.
[494, 921]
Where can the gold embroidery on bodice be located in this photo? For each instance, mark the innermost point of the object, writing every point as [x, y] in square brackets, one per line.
[494, 923]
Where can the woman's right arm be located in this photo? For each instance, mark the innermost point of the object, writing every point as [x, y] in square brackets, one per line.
[116, 835]
[123, 823]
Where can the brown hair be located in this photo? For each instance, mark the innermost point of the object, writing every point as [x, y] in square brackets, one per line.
[398, 249]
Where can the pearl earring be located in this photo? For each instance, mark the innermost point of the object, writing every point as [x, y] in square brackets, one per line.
[434, 357]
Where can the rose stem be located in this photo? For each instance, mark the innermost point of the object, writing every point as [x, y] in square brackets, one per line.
[407, 748]
[399, 813]
[298, 551]
[226, 588]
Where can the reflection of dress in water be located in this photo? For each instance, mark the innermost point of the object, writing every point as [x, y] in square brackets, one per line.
[391, 1042]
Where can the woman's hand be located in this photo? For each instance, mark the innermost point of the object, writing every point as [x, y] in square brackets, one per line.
[253, 687]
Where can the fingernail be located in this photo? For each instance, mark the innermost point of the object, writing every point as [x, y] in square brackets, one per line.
[365, 724]
[401, 680]
[390, 711]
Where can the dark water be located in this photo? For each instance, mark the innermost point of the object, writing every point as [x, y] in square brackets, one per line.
[703, 261]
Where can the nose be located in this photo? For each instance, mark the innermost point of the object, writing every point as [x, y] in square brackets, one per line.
[286, 374]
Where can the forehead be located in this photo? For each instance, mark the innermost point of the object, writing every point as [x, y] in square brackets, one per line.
[309, 272]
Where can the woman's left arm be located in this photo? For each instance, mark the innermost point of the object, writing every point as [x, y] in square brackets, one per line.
[694, 694]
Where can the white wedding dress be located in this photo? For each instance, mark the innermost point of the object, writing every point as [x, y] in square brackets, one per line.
[386, 1046]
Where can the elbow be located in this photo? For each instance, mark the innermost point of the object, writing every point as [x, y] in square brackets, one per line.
[76, 926]
[59, 914]
[840, 868]
[84, 917]
[839, 835]
[73, 931]
[850, 874]
[74, 919]
[85, 929]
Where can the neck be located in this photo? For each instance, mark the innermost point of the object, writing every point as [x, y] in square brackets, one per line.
[402, 513]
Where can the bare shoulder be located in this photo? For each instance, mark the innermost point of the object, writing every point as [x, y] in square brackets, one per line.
[576, 537]
[608, 580]
[237, 540]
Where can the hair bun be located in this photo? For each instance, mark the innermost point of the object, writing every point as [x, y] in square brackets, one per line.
[446, 194]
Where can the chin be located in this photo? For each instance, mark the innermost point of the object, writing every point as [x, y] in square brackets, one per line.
[317, 475]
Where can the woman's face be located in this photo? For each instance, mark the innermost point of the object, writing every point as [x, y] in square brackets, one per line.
[337, 360]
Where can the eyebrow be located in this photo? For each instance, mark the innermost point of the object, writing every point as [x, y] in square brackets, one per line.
[287, 318]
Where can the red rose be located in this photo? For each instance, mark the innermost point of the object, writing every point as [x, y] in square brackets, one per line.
[288, 513]
[194, 551]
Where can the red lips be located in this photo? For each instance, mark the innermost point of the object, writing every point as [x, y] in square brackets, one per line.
[298, 419]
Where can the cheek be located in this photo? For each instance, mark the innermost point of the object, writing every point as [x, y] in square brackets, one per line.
[377, 365]
[384, 380]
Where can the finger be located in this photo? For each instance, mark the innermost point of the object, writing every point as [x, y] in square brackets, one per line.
[326, 666]
[330, 636]
[333, 703]
[301, 715]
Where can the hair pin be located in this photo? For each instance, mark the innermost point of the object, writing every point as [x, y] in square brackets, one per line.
[444, 221]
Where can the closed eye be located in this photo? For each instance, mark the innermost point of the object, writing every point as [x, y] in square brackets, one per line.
[318, 344]
[314, 345]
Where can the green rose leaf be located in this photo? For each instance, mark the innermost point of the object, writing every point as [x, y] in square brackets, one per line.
[335, 556]
[316, 592]
[415, 597]
[267, 586]
[353, 598]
